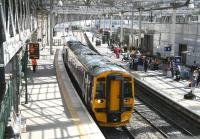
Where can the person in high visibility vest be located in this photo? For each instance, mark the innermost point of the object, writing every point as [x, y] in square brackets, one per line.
[34, 64]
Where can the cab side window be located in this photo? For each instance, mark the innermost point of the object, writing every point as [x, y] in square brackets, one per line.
[100, 90]
[127, 89]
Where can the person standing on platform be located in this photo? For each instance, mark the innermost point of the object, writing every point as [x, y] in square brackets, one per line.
[194, 80]
[198, 76]
[34, 64]
[177, 73]
[145, 64]
[172, 67]
[117, 52]
[193, 68]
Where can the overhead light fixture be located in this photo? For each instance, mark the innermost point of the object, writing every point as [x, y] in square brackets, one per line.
[60, 3]
[191, 5]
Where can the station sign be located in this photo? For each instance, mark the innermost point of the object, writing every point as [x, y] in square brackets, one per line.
[34, 51]
[168, 49]
[177, 60]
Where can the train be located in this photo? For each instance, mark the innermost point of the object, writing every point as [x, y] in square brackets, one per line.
[106, 88]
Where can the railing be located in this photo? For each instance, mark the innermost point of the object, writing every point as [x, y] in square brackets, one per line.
[5, 110]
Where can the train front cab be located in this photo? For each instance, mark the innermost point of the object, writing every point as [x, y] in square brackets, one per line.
[113, 99]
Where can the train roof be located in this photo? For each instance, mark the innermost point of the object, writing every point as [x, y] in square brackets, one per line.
[94, 62]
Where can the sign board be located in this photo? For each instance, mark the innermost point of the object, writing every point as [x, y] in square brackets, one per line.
[177, 60]
[168, 48]
[34, 50]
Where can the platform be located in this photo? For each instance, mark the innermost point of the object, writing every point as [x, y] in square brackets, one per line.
[168, 88]
[49, 114]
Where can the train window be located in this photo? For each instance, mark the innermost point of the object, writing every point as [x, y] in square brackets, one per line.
[100, 90]
[127, 79]
[127, 89]
[101, 79]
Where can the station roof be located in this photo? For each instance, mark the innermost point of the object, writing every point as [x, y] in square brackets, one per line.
[107, 7]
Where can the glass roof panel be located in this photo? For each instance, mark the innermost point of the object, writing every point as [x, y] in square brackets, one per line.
[115, 6]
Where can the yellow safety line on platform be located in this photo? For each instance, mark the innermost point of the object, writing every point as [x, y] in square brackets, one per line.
[72, 112]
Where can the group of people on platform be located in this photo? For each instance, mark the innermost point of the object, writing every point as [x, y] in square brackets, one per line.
[146, 62]
[135, 58]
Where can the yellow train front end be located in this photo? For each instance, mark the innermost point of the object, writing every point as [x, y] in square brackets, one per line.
[113, 98]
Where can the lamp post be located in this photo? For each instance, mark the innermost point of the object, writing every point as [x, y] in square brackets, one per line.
[173, 32]
[132, 29]
[25, 62]
[2, 66]
[50, 27]
[111, 18]
[140, 27]
[121, 26]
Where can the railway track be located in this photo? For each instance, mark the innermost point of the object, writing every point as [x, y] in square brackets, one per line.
[117, 133]
[166, 128]
[159, 113]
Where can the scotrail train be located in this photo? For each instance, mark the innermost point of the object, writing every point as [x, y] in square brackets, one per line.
[107, 89]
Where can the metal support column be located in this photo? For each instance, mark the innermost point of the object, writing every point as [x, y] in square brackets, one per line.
[51, 28]
[2, 71]
[48, 30]
[44, 31]
[39, 26]
[199, 18]
[16, 82]
[173, 32]
[103, 24]
[111, 18]
[98, 20]
[121, 32]
[140, 27]
[25, 62]
[132, 30]
[51, 33]
[79, 18]
[2, 66]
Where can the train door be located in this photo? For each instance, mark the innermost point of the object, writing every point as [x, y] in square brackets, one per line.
[114, 94]
[113, 97]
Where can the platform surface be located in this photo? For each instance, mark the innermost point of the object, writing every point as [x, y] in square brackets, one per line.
[47, 113]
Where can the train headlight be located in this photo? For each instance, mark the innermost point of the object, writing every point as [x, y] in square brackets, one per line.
[99, 101]
[126, 100]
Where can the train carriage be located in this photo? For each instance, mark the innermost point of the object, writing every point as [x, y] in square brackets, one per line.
[107, 88]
